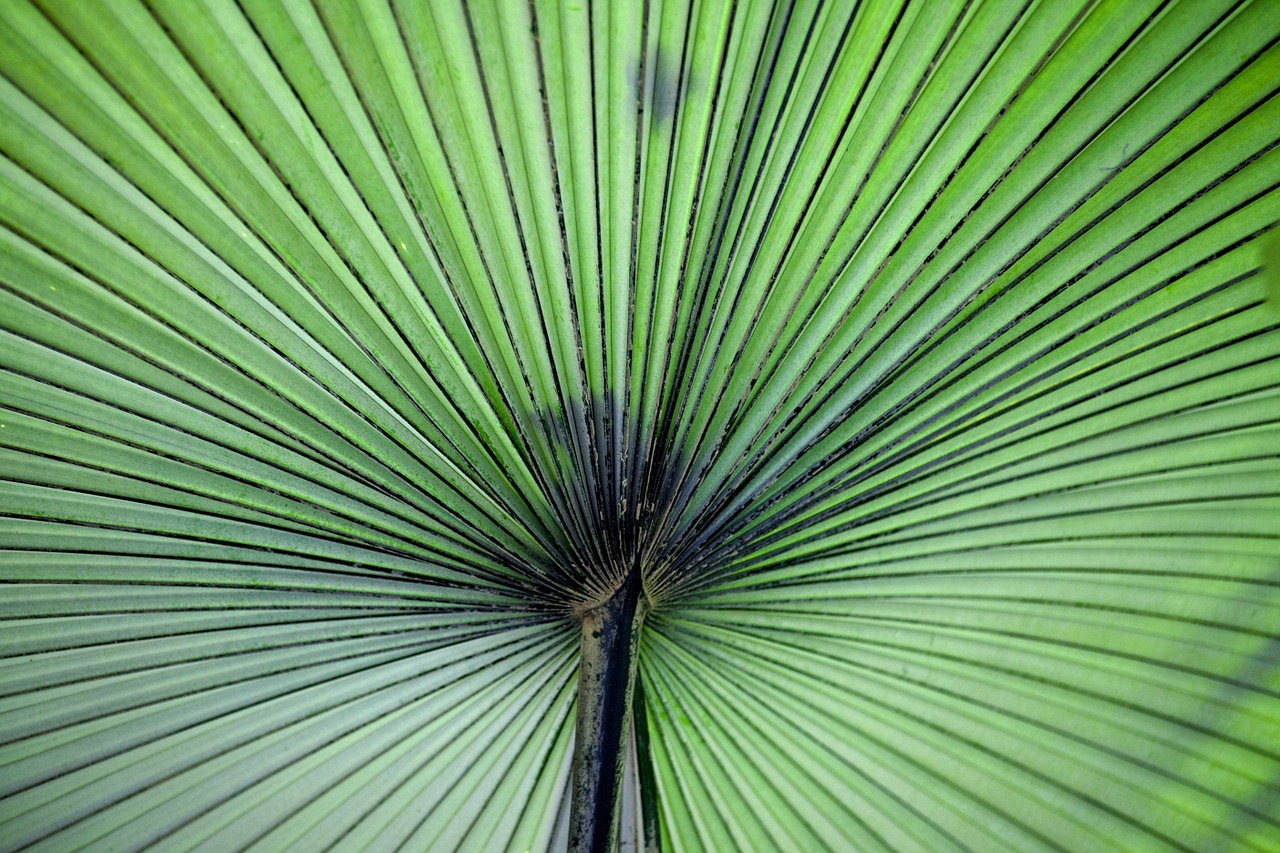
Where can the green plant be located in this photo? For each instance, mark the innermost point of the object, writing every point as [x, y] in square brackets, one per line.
[893, 383]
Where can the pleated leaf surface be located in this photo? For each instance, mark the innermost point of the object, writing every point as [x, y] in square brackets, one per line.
[921, 354]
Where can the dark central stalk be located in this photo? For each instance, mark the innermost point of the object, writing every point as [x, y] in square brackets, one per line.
[606, 679]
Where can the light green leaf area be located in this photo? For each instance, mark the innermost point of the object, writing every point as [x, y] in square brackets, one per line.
[925, 357]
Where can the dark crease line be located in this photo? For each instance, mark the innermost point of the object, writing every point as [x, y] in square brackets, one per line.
[263, 242]
[965, 421]
[686, 491]
[576, 499]
[542, 534]
[855, 367]
[266, 701]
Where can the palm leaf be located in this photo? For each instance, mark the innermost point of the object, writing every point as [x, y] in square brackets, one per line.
[910, 364]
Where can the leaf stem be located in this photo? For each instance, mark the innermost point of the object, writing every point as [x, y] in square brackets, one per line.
[606, 680]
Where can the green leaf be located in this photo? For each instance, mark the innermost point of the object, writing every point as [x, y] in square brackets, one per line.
[910, 372]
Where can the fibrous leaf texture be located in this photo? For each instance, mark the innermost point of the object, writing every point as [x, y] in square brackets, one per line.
[916, 358]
